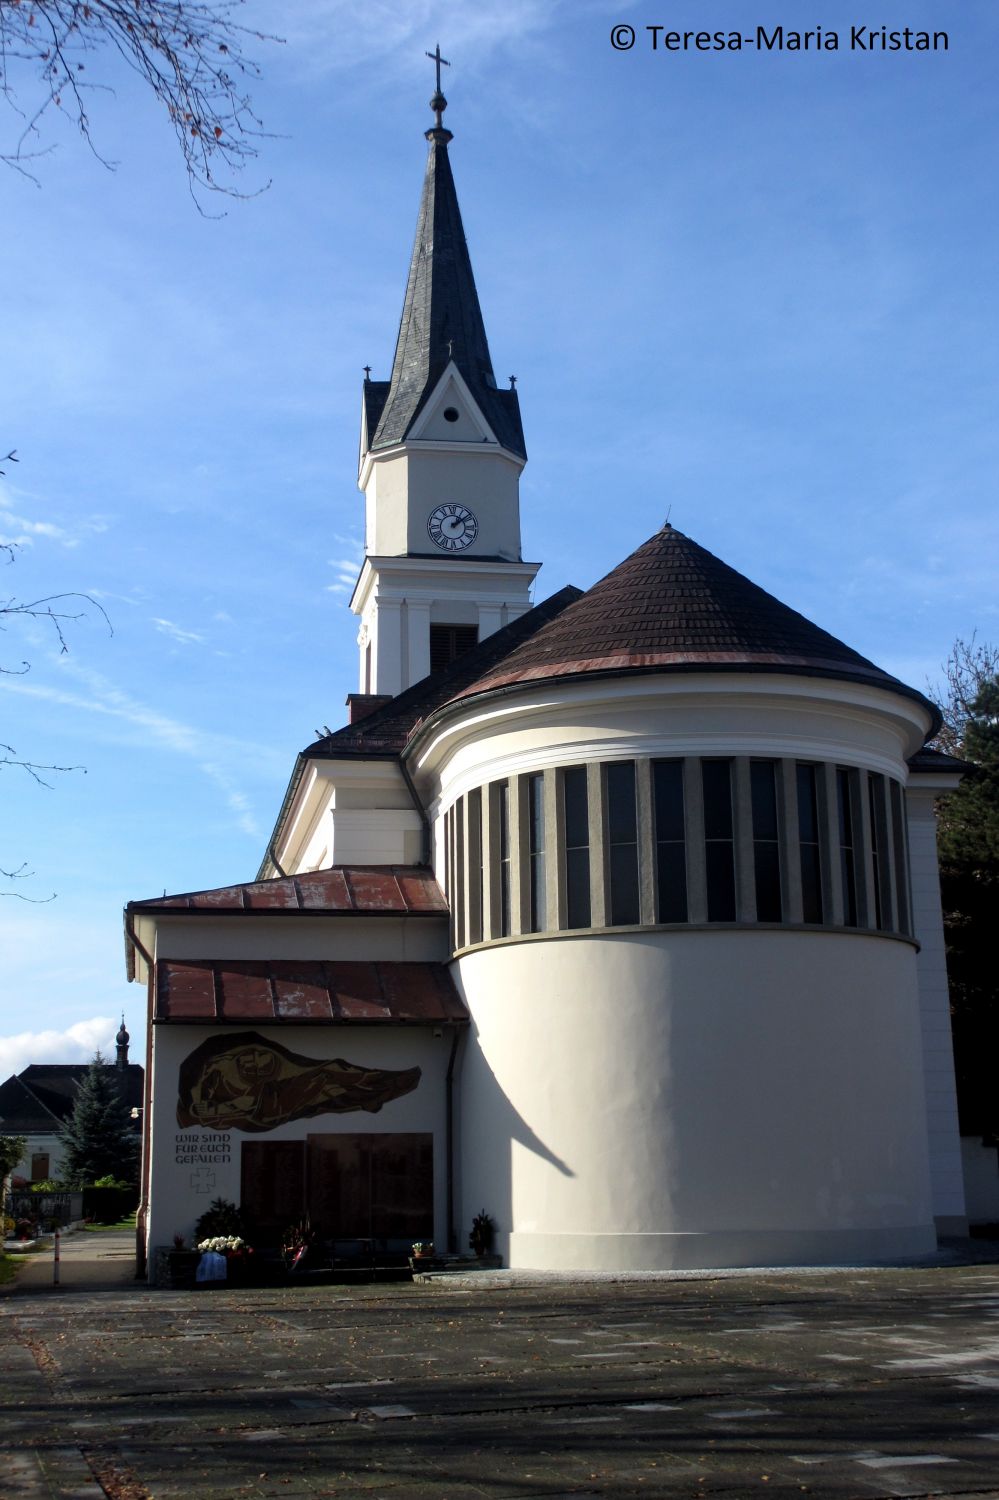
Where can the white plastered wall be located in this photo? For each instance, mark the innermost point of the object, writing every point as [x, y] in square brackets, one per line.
[191, 1166]
[934, 1001]
[660, 1100]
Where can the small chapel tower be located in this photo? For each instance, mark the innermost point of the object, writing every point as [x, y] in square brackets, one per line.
[442, 449]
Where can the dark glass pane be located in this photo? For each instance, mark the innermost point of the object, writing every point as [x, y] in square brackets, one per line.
[763, 785]
[767, 866]
[716, 780]
[624, 884]
[877, 852]
[536, 813]
[901, 862]
[848, 872]
[538, 892]
[671, 876]
[849, 887]
[667, 793]
[577, 822]
[475, 866]
[577, 887]
[808, 811]
[504, 857]
[811, 884]
[621, 819]
[844, 802]
[720, 882]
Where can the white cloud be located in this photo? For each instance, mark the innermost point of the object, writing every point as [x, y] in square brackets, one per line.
[77, 1043]
[178, 633]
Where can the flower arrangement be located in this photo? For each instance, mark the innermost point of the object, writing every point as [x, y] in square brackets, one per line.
[225, 1244]
[423, 1247]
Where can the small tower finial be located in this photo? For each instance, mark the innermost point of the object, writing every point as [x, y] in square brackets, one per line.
[438, 103]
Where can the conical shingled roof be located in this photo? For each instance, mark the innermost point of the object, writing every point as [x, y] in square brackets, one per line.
[441, 321]
[674, 606]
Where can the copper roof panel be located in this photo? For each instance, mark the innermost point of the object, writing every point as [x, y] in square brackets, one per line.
[307, 993]
[364, 889]
[356, 991]
[375, 890]
[226, 896]
[270, 895]
[301, 996]
[245, 995]
[323, 890]
[419, 892]
[184, 991]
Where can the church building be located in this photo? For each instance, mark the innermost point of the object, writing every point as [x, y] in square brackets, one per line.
[615, 916]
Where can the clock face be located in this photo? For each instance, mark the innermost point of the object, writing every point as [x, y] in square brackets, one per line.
[452, 527]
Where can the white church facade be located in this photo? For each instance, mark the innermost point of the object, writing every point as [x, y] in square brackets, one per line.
[617, 916]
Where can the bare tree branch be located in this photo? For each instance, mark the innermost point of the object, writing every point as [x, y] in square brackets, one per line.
[190, 53]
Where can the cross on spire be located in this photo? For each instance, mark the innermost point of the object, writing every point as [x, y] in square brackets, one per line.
[436, 58]
[438, 103]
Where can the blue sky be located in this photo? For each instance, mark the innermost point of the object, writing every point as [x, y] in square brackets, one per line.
[758, 291]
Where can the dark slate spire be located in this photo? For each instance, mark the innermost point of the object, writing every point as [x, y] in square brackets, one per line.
[121, 1044]
[441, 317]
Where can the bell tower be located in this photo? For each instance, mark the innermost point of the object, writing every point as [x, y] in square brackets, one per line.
[442, 449]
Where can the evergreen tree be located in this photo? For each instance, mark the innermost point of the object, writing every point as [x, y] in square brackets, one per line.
[97, 1138]
[969, 879]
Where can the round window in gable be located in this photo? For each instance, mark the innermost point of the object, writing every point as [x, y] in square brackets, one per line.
[451, 414]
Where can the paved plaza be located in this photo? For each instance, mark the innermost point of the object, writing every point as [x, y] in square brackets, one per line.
[863, 1383]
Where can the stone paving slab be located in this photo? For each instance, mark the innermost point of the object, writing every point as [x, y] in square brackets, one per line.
[841, 1385]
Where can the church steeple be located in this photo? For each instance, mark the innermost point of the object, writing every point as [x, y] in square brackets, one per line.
[442, 451]
[441, 318]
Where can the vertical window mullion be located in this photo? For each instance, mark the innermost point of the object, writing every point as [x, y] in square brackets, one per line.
[459, 871]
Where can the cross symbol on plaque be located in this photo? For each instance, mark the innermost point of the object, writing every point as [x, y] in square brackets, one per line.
[203, 1180]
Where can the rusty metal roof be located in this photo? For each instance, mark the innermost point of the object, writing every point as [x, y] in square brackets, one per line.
[390, 890]
[306, 992]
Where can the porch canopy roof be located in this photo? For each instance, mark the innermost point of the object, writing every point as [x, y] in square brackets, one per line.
[305, 992]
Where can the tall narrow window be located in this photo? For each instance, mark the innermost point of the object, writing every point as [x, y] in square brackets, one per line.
[766, 839]
[901, 856]
[622, 840]
[447, 855]
[458, 906]
[716, 785]
[809, 848]
[503, 819]
[474, 837]
[536, 849]
[879, 851]
[671, 849]
[577, 847]
[846, 805]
